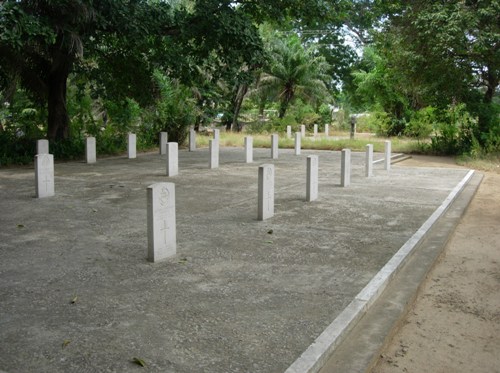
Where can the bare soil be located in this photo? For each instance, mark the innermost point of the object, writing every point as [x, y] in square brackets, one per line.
[454, 324]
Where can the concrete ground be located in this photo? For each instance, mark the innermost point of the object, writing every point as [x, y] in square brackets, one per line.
[77, 294]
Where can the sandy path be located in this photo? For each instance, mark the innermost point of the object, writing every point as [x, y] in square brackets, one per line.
[454, 325]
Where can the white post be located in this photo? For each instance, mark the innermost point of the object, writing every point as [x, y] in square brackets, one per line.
[44, 175]
[288, 132]
[162, 240]
[248, 149]
[213, 150]
[132, 145]
[327, 130]
[387, 160]
[172, 158]
[274, 146]
[369, 161]
[217, 135]
[90, 152]
[303, 130]
[192, 140]
[163, 142]
[42, 146]
[297, 143]
[315, 130]
[266, 192]
[345, 168]
[312, 178]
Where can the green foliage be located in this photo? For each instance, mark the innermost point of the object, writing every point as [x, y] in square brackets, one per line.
[175, 109]
[421, 123]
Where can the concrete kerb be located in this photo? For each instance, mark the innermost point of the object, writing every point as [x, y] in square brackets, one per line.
[313, 359]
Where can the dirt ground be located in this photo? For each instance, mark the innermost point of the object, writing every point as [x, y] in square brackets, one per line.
[454, 325]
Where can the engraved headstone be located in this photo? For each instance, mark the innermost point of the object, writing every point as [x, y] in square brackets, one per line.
[312, 178]
[44, 175]
[274, 146]
[42, 146]
[345, 168]
[90, 152]
[131, 145]
[266, 192]
[172, 159]
[162, 238]
[213, 149]
[369, 161]
[248, 149]
[163, 142]
[297, 143]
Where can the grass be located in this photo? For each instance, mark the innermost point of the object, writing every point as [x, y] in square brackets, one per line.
[338, 141]
[489, 163]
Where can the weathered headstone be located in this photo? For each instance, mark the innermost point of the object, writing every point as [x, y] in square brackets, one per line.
[369, 161]
[192, 140]
[217, 135]
[288, 132]
[315, 131]
[312, 178]
[345, 168]
[90, 152]
[266, 192]
[327, 129]
[172, 159]
[163, 142]
[162, 237]
[131, 145]
[44, 175]
[387, 160]
[303, 130]
[297, 143]
[274, 146]
[42, 146]
[248, 149]
[213, 149]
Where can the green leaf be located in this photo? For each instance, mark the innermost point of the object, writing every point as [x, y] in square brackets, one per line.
[138, 361]
[65, 343]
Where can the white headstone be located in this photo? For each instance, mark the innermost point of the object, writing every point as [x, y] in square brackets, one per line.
[163, 142]
[172, 159]
[90, 152]
[266, 192]
[217, 135]
[213, 149]
[192, 140]
[297, 143]
[369, 161]
[303, 130]
[42, 146]
[327, 129]
[315, 130]
[248, 149]
[288, 132]
[131, 145]
[162, 240]
[274, 146]
[345, 168]
[312, 178]
[387, 160]
[44, 175]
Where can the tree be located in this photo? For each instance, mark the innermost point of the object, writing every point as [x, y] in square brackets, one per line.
[293, 71]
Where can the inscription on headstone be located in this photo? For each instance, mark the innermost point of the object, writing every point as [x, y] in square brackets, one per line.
[172, 159]
[266, 192]
[345, 168]
[162, 237]
[312, 178]
[44, 175]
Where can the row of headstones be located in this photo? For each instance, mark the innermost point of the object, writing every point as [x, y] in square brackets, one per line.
[161, 218]
[303, 131]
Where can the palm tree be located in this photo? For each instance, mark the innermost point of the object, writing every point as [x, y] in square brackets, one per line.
[293, 72]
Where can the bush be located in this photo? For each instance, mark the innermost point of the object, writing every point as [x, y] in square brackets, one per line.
[421, 123]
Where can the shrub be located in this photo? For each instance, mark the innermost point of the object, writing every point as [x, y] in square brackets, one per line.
[421, 123]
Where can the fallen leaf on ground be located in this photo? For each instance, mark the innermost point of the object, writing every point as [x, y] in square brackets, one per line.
[138, 361]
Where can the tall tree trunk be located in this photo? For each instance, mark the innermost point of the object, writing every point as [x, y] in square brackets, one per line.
[58, 119]
[238, 101]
